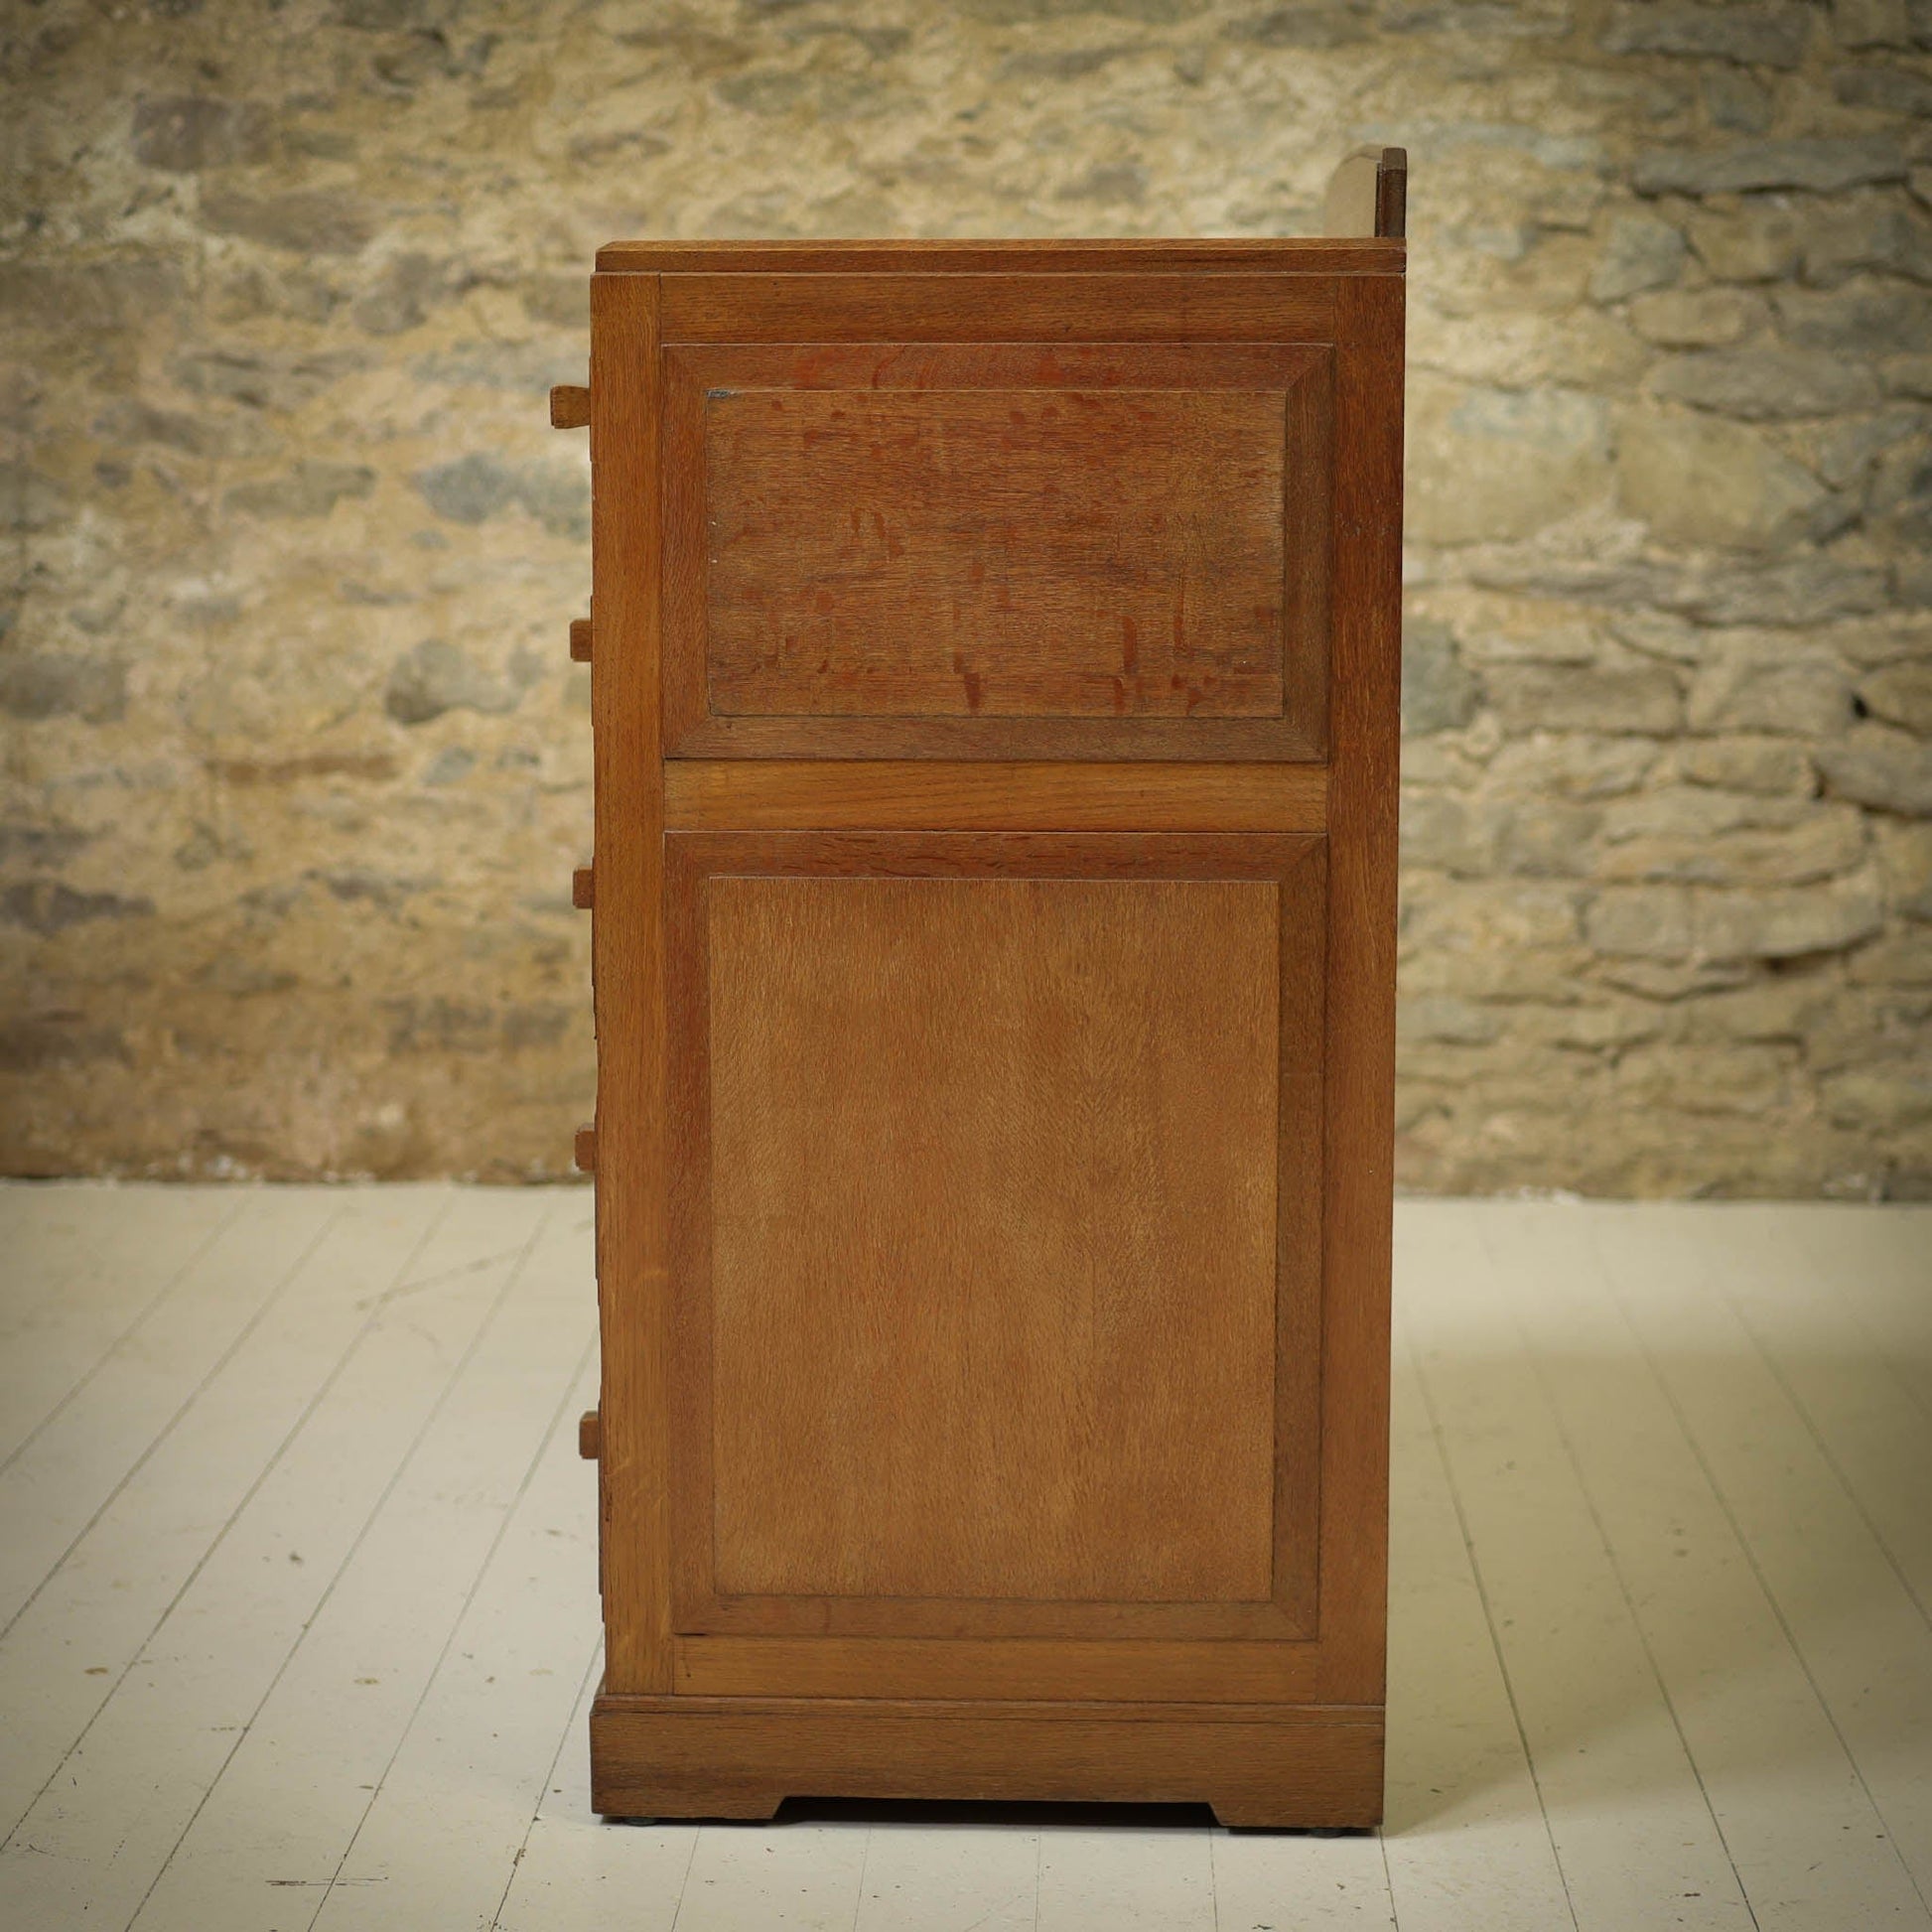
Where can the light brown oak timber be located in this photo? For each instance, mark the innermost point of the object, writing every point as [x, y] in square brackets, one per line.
[1058, 551]
[878, 1252]
[628, 953]
[1299, 254]
[580, 640]
[589, 1436]
[995, 696]
[1311, 1765]
[570, 406]
[1364, 726]
[928, 794]
[958, 536]
[914, 307]
[586, 1150]
[582, 889]
[1212, 1671]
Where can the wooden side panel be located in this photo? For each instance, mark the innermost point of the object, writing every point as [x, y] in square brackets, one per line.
[1364, 724]
[994, 553]
[996, 550]
[993, 1231]
[628, 960]
[997, 1233]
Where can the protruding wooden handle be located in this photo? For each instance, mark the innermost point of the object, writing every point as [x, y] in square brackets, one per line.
[590, 1436]
[587, 1150]
[580, 640]
[582, 889]
[570, 406]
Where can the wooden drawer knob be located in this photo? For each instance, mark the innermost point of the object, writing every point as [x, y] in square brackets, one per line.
[570, 406]
[586, 1150]
[580, 640]
[590, 1436]
[583, 890]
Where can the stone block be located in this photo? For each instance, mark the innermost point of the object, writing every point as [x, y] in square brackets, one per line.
[1574, 765]
[1447, 1020]
[1901, 694]
[1828, 842]
[1551, 698]
[434, 678]
[1771, 35]
[1878, 766]
[1704, 482]
[1736, 98]
[1699, 1079]
[1871, 23]
[1821, 164]
[1774, 765]
[1640, 252]
[1447, 833]
[62, 684]
[1494, 464]
[311, 488]
[1756, 240]
[1865, 316]
[1786, 923]
[1766, 684]
[1886, 1098]
[302, 221]
[183, 133]
[1640, 922]
[1903, 957]
[1670, 981]
[1893, 90]
[1765, 384]
[1905, 864]
[1707, 318]
[1439, 691]
[1784, 1008]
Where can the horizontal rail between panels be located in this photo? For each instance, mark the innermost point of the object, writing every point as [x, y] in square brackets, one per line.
[921, 794]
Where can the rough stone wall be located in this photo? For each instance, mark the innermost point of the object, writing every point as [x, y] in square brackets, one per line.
[296, 767]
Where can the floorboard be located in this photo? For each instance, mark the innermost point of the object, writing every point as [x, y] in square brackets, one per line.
[297, 1579]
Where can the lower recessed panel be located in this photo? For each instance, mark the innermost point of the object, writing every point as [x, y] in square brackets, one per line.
[994, 1209]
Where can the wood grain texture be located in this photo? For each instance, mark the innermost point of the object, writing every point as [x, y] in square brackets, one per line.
[1196, 255]
[1364, 728]
[1040, 550]
[1279, 1766]
[933, 795]
[993, 1302]
[974, 1128]
[580, 640]
[570, 406]
[628, 962]
[995, 1056]
[1220, 1670]
[914, 307]
[998, 553]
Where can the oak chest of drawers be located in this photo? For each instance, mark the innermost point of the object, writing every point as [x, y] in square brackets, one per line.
[993, 665]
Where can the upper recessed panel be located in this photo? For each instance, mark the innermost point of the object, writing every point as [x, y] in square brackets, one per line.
[1001, 553]
[996, 550]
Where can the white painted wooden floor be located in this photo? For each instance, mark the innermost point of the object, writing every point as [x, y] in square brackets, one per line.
[298, 1613]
